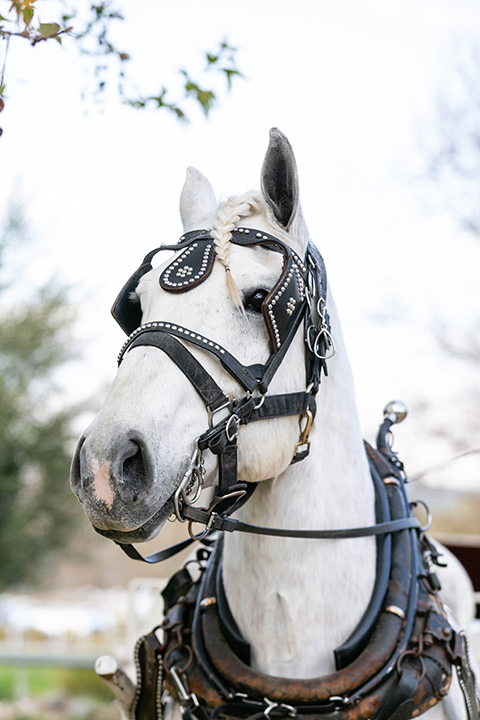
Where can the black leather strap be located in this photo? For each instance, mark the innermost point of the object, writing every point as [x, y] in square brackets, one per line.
[240, 372]
[226, 524]
[156, 557]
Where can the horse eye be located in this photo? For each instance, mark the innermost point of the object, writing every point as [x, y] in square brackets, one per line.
[254, 301]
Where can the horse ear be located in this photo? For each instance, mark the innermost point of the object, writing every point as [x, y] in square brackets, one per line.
[197, 201]
[280, 179]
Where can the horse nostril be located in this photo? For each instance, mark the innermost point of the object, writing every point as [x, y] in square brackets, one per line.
[75, 469]
[135, 483]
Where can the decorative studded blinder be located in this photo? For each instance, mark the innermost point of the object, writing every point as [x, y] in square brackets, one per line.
[285, 303]
[284, 306]
[190, 268]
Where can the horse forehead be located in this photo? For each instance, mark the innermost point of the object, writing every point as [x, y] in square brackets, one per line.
[255, 263]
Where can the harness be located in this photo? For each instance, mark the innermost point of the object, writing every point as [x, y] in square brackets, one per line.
[398, 661]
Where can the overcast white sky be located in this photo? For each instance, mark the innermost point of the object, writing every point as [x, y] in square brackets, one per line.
[353, 84]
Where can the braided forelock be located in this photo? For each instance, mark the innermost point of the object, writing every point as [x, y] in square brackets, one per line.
[228, 216]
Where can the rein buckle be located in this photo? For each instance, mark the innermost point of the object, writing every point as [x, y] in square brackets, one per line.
[212, 413]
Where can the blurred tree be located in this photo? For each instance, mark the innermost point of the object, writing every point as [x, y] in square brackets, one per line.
[90, 25]
[454, 149]
[453, 164]
[36, 510]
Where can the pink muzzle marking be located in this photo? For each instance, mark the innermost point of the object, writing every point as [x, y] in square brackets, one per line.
[101, 483]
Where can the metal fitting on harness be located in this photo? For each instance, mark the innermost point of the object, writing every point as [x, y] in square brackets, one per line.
[302, 448]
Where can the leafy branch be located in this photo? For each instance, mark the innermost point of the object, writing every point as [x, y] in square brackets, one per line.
[90, 27]
[222, 63]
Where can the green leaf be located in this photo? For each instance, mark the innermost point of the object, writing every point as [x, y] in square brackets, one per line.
[230, 73]
[28, 14]
[206, 98]
[46, 30]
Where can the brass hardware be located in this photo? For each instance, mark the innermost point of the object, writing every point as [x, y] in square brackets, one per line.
[303, 441]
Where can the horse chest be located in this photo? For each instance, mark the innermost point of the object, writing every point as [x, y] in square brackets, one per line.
[294, 603]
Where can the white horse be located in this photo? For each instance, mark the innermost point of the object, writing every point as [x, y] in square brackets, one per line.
[294, 600]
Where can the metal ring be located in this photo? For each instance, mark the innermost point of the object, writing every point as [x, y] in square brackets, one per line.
[262, 400]
[323, 332]
[231, 419]
[428, 523]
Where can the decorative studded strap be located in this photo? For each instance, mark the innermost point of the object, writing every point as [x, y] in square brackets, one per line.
[212, 395]
[143, 335]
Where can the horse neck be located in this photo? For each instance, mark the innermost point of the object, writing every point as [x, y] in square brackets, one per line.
[296, 600]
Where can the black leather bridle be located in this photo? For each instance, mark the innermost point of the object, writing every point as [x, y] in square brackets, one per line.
[298, 296]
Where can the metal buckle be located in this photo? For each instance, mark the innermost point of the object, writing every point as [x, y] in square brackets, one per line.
[212, 413]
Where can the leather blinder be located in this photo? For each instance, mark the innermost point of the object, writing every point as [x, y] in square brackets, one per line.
[190, 268]
[285, 303]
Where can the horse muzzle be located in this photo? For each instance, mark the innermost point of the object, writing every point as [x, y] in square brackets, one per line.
[117, 487]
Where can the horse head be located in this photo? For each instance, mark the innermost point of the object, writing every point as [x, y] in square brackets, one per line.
[222, 289]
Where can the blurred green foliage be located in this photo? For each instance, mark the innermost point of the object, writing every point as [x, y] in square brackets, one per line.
[36, 509]
[61, 681]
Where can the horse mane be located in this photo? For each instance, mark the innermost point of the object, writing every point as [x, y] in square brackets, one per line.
[228, 216]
